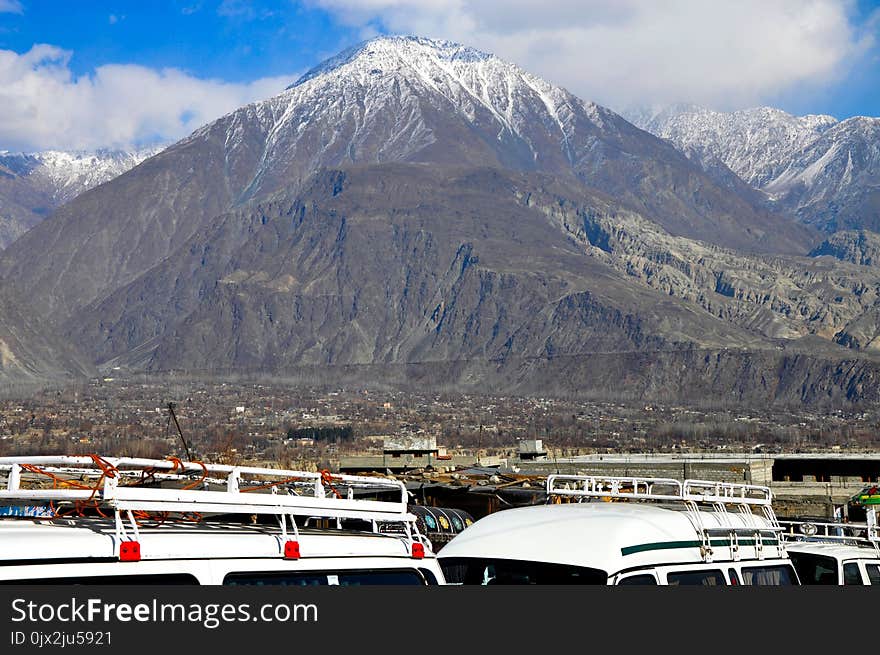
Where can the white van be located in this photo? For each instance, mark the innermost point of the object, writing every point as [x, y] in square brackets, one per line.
[627, 531]
[835, 564]
[93, 520]
[835, 553]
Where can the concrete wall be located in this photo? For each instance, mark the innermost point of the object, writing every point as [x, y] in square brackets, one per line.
[380, 463]
[700, 470]
[814, 499]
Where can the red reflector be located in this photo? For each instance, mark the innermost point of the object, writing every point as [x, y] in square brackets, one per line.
[129, 551]
[418, 551]
[291, 550]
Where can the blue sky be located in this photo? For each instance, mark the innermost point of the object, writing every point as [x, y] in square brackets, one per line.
[233, 41]
[116, 72]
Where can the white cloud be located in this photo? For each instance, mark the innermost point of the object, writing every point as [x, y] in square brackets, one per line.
[619, 52]
[45, 106]
[11, 7]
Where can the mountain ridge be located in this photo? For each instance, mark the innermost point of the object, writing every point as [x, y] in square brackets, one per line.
[34, 184]
[824, 171]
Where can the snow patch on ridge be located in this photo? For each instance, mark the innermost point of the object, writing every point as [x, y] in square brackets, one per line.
[68, 174]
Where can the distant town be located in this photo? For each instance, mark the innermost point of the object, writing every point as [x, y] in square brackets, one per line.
[271, 422]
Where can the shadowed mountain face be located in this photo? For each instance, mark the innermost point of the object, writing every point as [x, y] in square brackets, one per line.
[22, 205]
[389, 263]
[30, 350]
[482, 276]
[859, 247]
[419, 211]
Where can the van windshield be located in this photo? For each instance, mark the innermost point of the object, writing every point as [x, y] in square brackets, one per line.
[814, 569]
[483, 571]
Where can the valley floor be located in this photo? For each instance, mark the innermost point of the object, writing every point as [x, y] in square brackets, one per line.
[239, 420]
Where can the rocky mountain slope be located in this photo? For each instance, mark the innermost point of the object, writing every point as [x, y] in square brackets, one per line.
[825, 172]
[387, 263]
[34, 184]
[30, 349]
[470, 277]
[856, 246]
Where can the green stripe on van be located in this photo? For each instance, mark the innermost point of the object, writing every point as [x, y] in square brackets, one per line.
[669, 545]
[659, 545]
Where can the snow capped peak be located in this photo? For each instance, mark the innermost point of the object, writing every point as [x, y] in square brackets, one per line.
[392, 50]
[861, 124]
[74, 172]
[753, 143]
[393, 97]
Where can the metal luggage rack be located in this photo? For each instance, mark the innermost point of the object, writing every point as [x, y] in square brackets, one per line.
[690, 494]
[134, 490]
[854, 534]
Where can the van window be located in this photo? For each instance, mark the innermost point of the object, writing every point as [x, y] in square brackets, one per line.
[814, 569]
[706, 578]
[641, 579]
[482, 571]
[322, 578]
[851, 574]
[733, 576]
[128, 579]
[873, 573]
[767, 576]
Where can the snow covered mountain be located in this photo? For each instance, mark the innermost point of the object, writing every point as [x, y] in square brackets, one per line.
[391, 99]
[421, 100]
[834, 182]
[34, 184]
[756, 144]
[824, 171]
[418, 210]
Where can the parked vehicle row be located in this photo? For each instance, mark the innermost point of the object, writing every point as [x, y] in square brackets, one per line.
[139, 521]
[93, 520]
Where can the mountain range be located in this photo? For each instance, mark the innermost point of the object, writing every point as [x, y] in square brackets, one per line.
[32, 185]
[824, 172]
[419, 212]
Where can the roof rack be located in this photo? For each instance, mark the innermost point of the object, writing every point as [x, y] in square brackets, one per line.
[855, 534]
[637, 488]
[137, 488]
[691, 494]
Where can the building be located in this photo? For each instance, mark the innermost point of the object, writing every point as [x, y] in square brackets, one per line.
[531, 450]
[406, 453]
